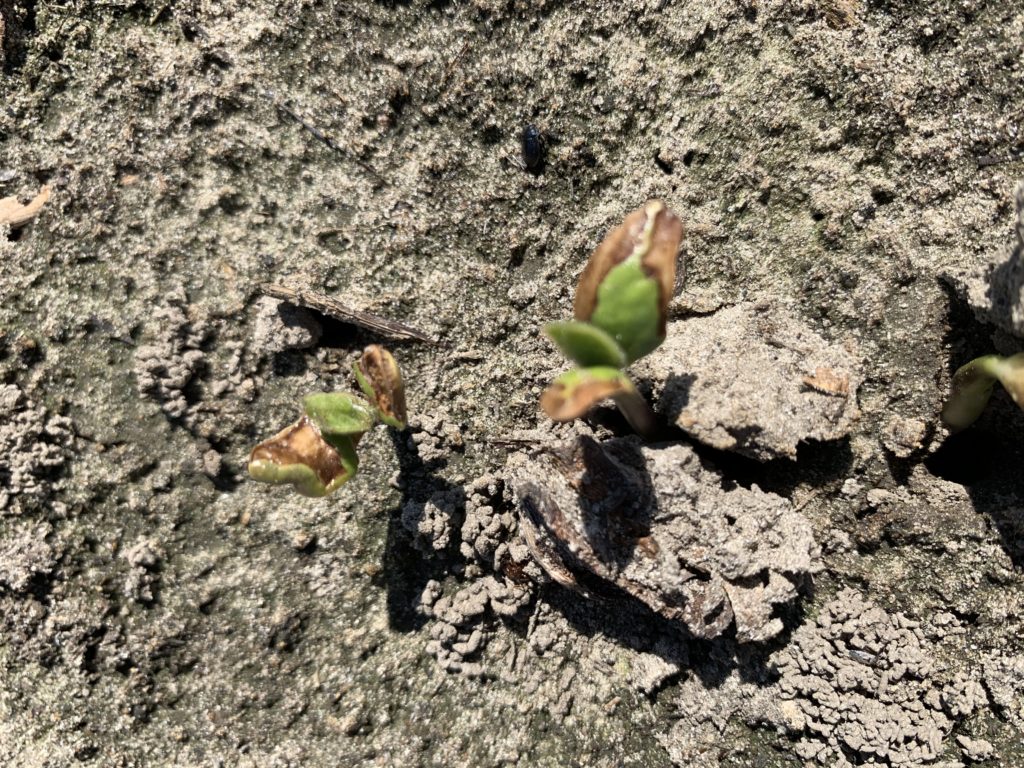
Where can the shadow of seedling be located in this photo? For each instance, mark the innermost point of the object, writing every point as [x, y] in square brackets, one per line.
[590, 535]
[663, 431]
[1006, 283]
[409, 562]
[620, 501]
[593, 535]
[1000, 496]
[676, 387]
[986, 456]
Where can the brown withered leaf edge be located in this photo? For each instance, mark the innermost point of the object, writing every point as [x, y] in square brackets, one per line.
[659, 261]
[585, 396]
[301, 443]
[381, 370]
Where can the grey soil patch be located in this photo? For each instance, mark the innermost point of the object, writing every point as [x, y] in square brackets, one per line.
[844, 160]
[754, 380]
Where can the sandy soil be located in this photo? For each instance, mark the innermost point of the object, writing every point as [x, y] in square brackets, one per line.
[851, 162]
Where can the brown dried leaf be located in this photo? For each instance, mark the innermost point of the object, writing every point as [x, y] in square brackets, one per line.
[829, 382]
[562, 403]
[379, 369]
[300, 455]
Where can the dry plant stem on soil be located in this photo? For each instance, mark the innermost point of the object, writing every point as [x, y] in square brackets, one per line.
[620, 313]
[317, 454]
[333, 308]
[973, 383]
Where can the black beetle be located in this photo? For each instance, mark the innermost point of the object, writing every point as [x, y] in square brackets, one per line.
[533, 148]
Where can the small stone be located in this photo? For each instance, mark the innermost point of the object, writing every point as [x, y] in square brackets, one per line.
[281, 326]
[212, 463]
[351, 723]
[303, 540]
[903, 437]
[975, 750]
[850, 488]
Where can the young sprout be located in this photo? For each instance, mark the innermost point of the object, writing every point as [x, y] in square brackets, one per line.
[972, 386]
[621, 310]
[317, 454]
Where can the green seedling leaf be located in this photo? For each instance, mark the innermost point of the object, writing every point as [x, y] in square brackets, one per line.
[972, 387]
[586, 344]
[317, 454]
[620, 311]
[300, 456]
[575, 392]
[650, 235]
[628, 309]
[339, 413]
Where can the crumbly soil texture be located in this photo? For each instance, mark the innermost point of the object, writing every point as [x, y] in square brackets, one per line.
[852, 162]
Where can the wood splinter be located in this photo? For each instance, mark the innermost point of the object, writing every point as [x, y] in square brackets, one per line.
[335, 309]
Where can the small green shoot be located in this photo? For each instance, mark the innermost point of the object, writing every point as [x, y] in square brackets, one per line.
[621, 310]
[972, 387]
[317, 454]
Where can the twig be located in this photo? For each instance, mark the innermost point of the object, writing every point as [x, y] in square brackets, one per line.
[451, 68]
[333, 308]
[507, 442]
[286, 109]
[986, 160]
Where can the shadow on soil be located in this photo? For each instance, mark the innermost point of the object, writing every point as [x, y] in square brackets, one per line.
[407, 568]
[628, 622]
[621, 501]
[986, 458]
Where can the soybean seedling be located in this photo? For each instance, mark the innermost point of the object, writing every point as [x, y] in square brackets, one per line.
[620, 311]
[317, 454]
[972, 387]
